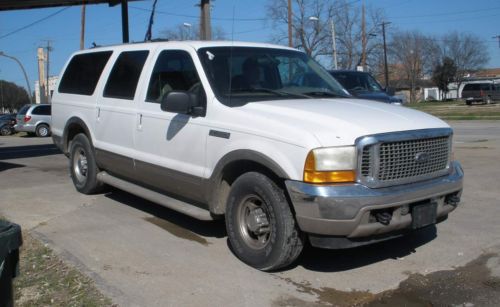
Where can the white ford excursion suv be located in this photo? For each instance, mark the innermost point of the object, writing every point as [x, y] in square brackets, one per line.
[259, 134]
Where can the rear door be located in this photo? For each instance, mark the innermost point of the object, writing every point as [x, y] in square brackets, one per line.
[170, 146]
[116, 113]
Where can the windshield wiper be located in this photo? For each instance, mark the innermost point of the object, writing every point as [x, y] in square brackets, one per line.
[324, 94]
[270, 91]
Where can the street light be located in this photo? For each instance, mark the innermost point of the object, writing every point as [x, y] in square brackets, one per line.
[188, 26]
[24, 72]
[334, 44]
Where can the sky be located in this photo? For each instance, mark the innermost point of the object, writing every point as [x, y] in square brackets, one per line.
[23, 31]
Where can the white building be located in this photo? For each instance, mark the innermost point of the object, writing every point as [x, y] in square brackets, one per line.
[52, 86]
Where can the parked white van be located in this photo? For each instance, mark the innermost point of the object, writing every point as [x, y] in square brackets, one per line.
[258, 134]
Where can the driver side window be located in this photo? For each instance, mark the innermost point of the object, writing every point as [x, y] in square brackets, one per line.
[174, 71]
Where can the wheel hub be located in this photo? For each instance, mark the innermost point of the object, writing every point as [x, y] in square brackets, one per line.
[80, 166]
[257, 221]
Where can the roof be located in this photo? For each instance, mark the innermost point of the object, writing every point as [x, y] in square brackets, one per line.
[32, 4]
[194, 44]
[487, 73]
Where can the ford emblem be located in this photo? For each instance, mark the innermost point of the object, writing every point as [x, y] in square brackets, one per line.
[422, 157]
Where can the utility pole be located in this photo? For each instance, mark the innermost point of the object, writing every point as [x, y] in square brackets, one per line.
[82, 29]
[363, 37]
[385, 55]
[47, 86]
[290, 40]
[334, 44]
[205, 26]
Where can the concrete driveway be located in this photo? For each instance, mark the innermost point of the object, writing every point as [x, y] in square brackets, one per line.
[141, 254]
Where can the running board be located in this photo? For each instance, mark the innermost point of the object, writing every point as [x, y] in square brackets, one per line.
[166, 201]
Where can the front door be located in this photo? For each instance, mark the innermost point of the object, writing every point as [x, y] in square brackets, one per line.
[171, 147]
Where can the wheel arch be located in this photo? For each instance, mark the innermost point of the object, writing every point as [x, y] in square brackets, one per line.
[74, 126]
[234, 164]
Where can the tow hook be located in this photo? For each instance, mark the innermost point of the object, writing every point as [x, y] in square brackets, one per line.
[383, 217]
[452, 199]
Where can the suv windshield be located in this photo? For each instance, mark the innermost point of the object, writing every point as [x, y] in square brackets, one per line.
[357, 81]
[242, 74]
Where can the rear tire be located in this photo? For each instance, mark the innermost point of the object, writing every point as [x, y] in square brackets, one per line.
[260, 224]
[5, 130]
[42, 130]
[83, 167]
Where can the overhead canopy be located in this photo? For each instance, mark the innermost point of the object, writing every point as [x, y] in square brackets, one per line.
[6, 5]
[34, 4]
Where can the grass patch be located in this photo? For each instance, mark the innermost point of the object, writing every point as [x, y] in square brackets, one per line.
[45, 280]
[458, 110]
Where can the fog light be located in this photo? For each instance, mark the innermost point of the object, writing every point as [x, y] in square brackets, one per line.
[405, 209]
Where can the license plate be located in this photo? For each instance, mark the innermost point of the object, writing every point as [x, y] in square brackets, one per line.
[424, 214]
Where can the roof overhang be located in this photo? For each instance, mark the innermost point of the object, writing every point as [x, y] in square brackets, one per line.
[6, 5]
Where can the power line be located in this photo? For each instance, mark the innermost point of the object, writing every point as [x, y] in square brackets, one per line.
[196, 17]
[34, 23]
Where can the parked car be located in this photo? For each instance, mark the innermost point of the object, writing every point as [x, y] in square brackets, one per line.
[481, 92]
[7, 122]
[222, 130]
[363, 85]
[34, 119]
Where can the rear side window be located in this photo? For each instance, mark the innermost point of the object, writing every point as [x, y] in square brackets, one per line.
[125, 74]
[23, 110]
[471, 87]
[41, 110]
[486, 87]
[83, 73]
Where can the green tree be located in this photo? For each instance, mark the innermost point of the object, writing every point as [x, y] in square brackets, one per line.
[443, 74]
[12, 97]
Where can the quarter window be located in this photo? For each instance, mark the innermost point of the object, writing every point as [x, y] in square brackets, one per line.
[124, 76]
[83, 73]
[41, 110]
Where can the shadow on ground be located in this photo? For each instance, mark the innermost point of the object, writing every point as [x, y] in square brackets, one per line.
[314, 259]
[29, 151]
[211, 229]
[6, 166]
[324, 260]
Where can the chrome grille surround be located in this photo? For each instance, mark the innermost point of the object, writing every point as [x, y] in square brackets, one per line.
[391, 158]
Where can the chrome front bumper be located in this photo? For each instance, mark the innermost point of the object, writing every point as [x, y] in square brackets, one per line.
[346, 210]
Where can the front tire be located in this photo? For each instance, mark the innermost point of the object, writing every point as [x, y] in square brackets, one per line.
[83, 167]
[42, 131]
[260, 224]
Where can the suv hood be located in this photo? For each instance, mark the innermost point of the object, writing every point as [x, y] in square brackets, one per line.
[334, 122]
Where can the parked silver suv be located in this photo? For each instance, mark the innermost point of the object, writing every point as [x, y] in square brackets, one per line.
[34, 119]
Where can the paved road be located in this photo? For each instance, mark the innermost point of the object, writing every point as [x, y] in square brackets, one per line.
[141, 254]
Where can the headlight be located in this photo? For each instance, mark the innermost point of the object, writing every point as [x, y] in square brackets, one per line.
[331, 165]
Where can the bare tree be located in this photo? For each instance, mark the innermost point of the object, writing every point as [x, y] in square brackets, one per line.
[190, 32]
[467, 51]
[413, 53]
[312, 30]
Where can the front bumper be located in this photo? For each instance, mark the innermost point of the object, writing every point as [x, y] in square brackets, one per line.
[348, 210]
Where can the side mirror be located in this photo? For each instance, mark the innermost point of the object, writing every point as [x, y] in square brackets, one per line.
[181, 102]
[390, 91]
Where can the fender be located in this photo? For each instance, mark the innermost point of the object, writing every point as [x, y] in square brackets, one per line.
[215, 193]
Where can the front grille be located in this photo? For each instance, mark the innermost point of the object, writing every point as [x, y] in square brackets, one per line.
[395, 162]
